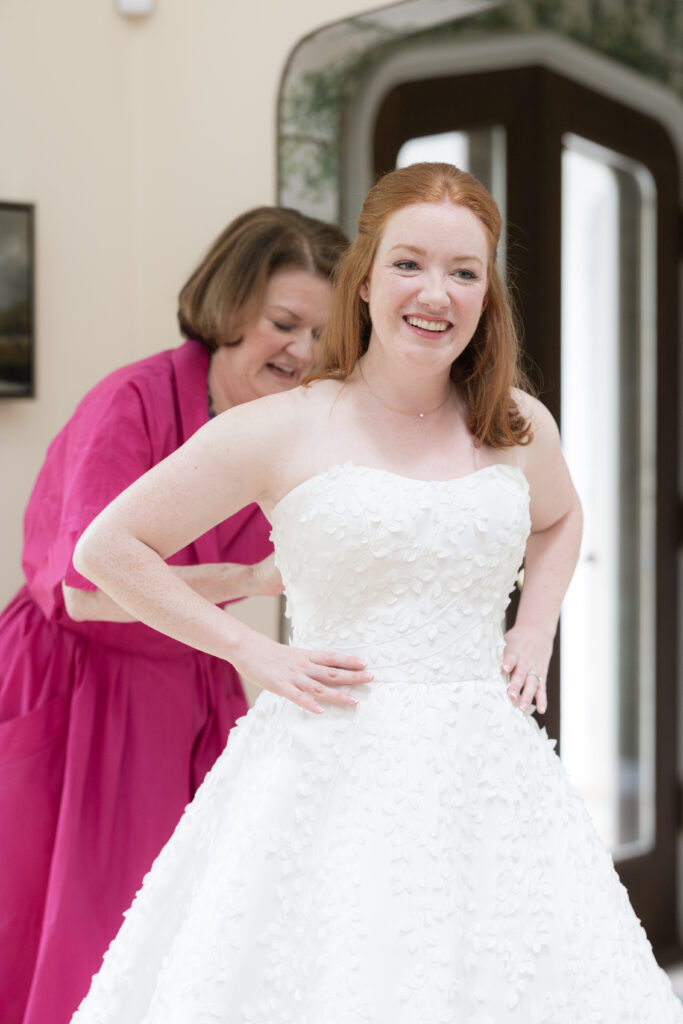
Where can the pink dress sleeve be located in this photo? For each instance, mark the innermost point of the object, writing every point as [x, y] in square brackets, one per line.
[103, 448]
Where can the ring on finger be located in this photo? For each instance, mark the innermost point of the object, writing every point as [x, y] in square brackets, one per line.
[536, 676]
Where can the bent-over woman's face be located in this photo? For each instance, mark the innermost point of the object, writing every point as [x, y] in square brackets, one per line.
[278, 346]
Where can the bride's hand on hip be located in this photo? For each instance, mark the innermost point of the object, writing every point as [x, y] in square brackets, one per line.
[307, 678]
[525, 663]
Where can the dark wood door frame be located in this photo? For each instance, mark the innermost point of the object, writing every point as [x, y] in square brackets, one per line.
[537, 107]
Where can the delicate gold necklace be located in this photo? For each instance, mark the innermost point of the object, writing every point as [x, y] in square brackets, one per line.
[402, 412]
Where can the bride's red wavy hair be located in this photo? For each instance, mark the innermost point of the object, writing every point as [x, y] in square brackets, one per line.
[489, 368]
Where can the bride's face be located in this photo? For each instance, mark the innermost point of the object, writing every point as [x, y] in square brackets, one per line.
[427, 286]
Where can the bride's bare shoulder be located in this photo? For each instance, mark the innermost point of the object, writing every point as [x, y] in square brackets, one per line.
[283, 420]
[324, 390]
[284, 436]
[310, 402]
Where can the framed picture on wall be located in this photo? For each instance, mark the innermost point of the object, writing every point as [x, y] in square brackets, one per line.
[16, 300]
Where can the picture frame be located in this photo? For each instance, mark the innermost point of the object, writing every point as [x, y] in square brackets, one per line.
[17, 300]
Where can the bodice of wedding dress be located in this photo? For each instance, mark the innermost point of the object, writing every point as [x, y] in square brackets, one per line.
[412, 575]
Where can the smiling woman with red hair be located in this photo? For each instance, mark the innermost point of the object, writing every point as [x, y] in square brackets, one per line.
[488, 369]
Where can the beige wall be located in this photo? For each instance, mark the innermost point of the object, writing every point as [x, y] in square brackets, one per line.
[137, 140]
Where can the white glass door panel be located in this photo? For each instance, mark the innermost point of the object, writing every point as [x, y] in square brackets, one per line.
[608, 430]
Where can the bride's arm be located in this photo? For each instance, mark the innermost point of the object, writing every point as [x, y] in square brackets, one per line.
[223, 467]
[551, 554]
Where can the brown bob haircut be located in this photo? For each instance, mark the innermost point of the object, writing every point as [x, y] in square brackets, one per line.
[228, 287]
[489, 367]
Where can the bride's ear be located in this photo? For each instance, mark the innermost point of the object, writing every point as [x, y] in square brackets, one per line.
[364, 292]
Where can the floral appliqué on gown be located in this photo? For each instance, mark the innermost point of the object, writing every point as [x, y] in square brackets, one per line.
[419, 859]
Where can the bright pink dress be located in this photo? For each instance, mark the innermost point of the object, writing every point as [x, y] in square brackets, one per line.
[106, 730]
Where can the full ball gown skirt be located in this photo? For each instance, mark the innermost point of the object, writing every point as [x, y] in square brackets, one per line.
[418, 859]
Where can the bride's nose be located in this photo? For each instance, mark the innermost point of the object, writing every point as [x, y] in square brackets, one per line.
[433, 292]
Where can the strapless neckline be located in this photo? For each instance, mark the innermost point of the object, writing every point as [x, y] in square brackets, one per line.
[349, 466]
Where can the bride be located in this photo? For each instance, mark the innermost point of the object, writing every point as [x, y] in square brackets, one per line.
[388, 838]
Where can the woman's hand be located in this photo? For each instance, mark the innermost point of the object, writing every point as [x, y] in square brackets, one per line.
[525, 662]
[265, 578]
[304, 677]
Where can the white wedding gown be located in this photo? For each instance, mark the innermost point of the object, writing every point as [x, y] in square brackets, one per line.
[418, 859]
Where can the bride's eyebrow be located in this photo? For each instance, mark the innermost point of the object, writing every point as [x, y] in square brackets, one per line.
[407, 248]
[458, 258]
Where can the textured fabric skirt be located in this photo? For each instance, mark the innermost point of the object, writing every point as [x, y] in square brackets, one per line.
[420, 859]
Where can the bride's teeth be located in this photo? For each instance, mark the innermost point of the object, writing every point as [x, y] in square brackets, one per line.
[283, 369]
[428, 325]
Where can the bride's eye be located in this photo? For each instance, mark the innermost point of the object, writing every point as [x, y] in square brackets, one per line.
[406, 264]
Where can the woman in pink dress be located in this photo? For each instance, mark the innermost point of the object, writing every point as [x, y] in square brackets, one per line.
[107, 727]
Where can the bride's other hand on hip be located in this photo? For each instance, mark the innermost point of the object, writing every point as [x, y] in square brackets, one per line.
[525, 663]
